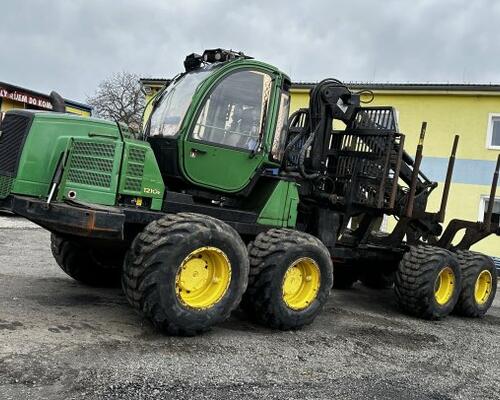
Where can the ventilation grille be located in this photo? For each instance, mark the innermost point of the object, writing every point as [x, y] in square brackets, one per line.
[91, 163]
[95, 164]
[14, 130]
[93, 149]
[135, 169]
[5, 186]
[133, 184]
[136, 155]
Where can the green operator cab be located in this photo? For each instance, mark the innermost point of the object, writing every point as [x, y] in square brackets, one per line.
[221, 128]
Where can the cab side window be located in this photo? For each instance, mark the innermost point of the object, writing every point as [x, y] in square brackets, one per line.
[234, 113]
[278, 147]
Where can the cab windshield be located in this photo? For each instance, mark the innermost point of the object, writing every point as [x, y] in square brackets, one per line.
[174, 102]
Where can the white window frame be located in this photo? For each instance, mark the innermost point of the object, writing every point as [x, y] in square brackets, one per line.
[489, 132]
[482, 206]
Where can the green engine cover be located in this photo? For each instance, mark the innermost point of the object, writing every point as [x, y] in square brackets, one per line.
[48, 138]
[100, 164]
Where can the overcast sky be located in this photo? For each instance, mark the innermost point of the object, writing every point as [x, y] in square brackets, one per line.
[70, 46]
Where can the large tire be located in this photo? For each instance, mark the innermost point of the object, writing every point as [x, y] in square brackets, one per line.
[344, 276]
[87, 264]
[290, 279]
[428, 282]
[154, 266]
[476, 268]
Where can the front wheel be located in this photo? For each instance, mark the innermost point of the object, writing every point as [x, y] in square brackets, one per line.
[186, 272]
[90, 265]
[291, 276]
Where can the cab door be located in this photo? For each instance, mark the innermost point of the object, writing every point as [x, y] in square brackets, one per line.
[222, 149]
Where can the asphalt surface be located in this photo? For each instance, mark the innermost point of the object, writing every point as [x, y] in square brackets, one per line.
[62, 340]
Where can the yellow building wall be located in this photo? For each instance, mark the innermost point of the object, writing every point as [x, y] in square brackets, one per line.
[447, 114]
[77, 111]
[149, 102]
[8, 104]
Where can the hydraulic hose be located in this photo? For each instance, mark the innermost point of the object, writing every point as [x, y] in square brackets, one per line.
[302, 156]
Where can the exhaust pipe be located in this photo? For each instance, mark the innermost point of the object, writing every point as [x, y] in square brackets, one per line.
[58, 103]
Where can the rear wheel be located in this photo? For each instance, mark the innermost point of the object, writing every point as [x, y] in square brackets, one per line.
[290, 279]
[91, 265]
[479, 284]
[428, 282]
[186, 272]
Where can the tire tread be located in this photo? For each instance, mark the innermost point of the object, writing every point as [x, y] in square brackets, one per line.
[139, 283]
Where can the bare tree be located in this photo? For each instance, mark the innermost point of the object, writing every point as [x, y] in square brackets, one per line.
[119, 98]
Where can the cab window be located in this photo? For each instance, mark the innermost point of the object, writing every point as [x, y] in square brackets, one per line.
[234, 113]
[279, 139]
[173, 103]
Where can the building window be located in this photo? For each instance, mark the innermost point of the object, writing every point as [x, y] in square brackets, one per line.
[493, 135]
[483, 208]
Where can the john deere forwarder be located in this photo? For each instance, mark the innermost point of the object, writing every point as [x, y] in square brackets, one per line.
[226, 199]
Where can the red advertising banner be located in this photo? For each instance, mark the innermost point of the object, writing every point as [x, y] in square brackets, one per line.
[26, 98]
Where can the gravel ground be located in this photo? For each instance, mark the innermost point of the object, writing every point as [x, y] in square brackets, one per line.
[62, 340]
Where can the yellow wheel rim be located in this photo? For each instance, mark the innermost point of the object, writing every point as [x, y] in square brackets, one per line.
[301, 283]
[444, 286]
[483, 287]
[203, 278]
